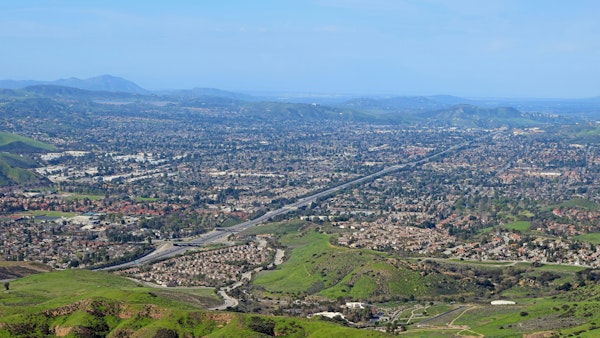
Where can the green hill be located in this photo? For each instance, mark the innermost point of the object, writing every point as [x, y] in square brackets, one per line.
[13, 143]
[558, 300]
[14, 170]
[81, 303]
[316, 267]
[14, 162]
[466, 115]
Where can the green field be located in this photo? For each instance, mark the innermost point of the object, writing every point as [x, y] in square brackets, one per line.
[557, 268]
[75, 197]
[278, 228]
[592, 238]
[522, 226]
[479, 263]
[582, 203]
[575, 203]
[145, 199]
[47, 213]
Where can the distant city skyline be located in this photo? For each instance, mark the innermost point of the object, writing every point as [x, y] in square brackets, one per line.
[493, 48]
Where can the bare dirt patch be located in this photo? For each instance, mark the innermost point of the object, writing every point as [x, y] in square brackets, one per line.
[13, 270]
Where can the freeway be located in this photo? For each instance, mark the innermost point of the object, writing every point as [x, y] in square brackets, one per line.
[216, 235]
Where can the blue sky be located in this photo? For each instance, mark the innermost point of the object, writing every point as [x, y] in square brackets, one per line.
[474, 48]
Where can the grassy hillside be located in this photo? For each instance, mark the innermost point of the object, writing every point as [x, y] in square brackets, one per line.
[89, 304]
[575, 313]
[13, 165]
[13, 170]
[6, 139]
[316, 267]
[456, 294]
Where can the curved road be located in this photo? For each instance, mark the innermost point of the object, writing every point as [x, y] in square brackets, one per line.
[217, 235]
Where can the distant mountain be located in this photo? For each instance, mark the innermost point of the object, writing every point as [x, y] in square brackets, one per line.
[106, 83]
[55, 91]
[209, 92]
[16, 84]
[453, 100]
[462, 111]
[466, 115]
[408, 104]
[301, 111]
[61, 93]
[100, 94]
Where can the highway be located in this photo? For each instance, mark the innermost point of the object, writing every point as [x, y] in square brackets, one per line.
[216, 235]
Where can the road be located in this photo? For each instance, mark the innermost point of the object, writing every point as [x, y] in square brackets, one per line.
[216, 235]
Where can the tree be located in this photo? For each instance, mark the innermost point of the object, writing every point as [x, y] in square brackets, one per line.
[262, 325]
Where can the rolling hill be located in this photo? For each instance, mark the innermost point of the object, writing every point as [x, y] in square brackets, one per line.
[18, 144]
[318, 268]
[106, 83]
[81, 303]
[15, 161]
[97, 94]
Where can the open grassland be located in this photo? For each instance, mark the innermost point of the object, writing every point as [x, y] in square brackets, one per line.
[278, 228]
[86, 303]
[540, 315]
[556, 315]
[8, 138]
[572, 313]
[316, 267]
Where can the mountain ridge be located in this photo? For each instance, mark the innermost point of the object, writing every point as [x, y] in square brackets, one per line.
[108, 83]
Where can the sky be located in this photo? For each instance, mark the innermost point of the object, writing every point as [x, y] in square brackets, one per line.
[469, 48]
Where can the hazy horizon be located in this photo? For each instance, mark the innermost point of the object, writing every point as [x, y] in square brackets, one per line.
[511, 48]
